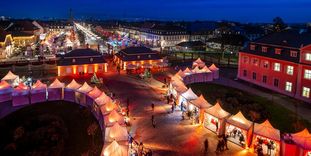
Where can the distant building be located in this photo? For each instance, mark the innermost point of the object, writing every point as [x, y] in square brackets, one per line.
[138, 56]
[6, 44]
[280, 62]
[191, 46]
[80, 61]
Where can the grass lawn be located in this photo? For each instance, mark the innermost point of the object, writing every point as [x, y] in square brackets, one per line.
[52, 128]
[233, 100]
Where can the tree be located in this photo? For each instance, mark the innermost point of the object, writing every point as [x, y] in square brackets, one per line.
[278, 24]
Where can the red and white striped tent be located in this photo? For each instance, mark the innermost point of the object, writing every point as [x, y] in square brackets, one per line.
[55, 90]
[20, 95]
[38, 92]
[5, 91]
[69, 91]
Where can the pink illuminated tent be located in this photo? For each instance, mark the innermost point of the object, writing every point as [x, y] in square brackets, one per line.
[114, 149]
[215, 71]
[38, 92]
[69, 91]
[114, 117]
[303, 140]
[5, 91]
[200, 102]
[55, 90]
[92, 95]
[214, 118]
[10, 77]
[108, 107]
[81, 93]
[103, 99]
[116, 132]
[196, 70]
[177, 87]
[20, 95]
[187, 71]
[198, 63]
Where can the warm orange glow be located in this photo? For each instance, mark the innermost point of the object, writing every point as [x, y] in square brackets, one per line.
[85, 68]
[74, 69]
[105, 67]
[95, 68]
[150, 61]
[58, 70]
[124, 66]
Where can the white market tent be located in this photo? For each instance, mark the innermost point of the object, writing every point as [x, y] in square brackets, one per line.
[85, 88]
[205, 69]
[108, 107]
[55, 90]
[186, 72]
[196, 70]
[20, 95]
[38, 92]
[240, 121]
[189, 95]
[116, 132]
[95, 93]
[103, 99]
[69, 91]
[200, 102]
[303, 139]
[10, 76]
[198, 63]
[213, 114]
[73, 85]
[5, 91]
[215, 71]
[266, 130]
[217, 111]
[114, 117]
[81, 93]
[114, 149]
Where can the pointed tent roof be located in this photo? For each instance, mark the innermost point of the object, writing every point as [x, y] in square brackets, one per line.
[103, 99]
[73, 85]
[217, 111]
[180, 73]
[114, 116]
[265, 129]
[57, 84]
[196, 70]
[38, 86]
[213, 67]
[9, 76]
[198, 62]
[189, 95]
[109, 106]
[200, 102]
[95, 93]
[21, 88]
[85, 88]
[116, 132]
[4, 85]
[114, 149]
[206, 70]
[187, 70]
[240, 121]
[180, 88]
[303, 139]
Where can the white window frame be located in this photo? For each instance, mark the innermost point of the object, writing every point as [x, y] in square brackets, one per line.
[308, 56]
[288, 86]
[290, 70]
[277, 68]
[306, 92]
[307, 74]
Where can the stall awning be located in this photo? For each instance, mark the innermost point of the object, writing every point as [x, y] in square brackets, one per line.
[303, 139]
[201, 103]
[240, 121]
[39, 86]
[21, 88]
[73, 85]
[213, 67]
[265, 129]
[116, 132]
[217, 111]
[57, 84]
[189, 95]
[85, 88]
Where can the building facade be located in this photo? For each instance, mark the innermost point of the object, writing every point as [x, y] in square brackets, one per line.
[280, 62]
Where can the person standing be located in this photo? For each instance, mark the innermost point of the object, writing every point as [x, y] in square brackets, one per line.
[216, 124]
[152, 106]
[225, 138]
[205, 145]
[173, 108]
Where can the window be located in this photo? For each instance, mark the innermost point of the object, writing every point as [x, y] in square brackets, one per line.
[278, 51]
[307, 74]
[255, 62]
[265, 64]
[306, 92]
[245, 59]
[308, 56]
[288, 86]
[290, 70]
[244, 73]
[276, 82]
[277, 67]
[293, 53]
[264, 79]
[264, 49]
[254, 76]
[252, 47]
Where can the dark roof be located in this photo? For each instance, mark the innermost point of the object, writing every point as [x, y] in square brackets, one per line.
[80, 56]
[5, 24]
[288, 38]
[137, 54]
[20, 33]
[23, 25]
[2, 35]
[191, 44]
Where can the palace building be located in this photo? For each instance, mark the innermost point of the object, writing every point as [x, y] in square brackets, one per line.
[141, 57]
[280, 62]
[81, 61]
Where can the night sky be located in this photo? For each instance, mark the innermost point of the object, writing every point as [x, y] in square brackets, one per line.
[235, 10]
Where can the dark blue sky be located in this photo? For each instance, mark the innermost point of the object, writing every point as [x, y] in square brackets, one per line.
[236, 10]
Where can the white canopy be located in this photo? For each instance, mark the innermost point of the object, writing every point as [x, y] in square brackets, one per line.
[39, 86]
[103, 99]
[303, 139]
[240, 121]
[85, 88]
[73, 85]
[114, 116]
[206, 70]
[201, 103]
[10, 76]
[108, 107]
[217, 111]
[179, 86]
[213, 67]
[116, 132]
[95, 93]
[265, 129]
[114, 149]
[189, 95]
[196, 70]
[57, 84]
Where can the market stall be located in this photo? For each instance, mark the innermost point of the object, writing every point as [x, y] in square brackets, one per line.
[114, 149]
[198, 106]
[102, 99]
[116, 133]
[185, 98]
[5, 91]
[92, 95]
[266, 139]
[38, 92]
[56, 90]
[239, 130]
[11, 78]
[69, 91]
[215, 71]
[21, 95]
[303, 141]
[114, 117]
[198, 63]
[214, 119]
[81, 93]
[108, 107]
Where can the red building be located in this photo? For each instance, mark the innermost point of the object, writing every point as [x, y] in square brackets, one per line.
[280, 62]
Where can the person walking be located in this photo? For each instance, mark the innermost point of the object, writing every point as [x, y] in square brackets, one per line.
[225, 138]
[218, 147]
[168, 99]
[153, 122]
[152, 106]
[205, 145]
[173, 108]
